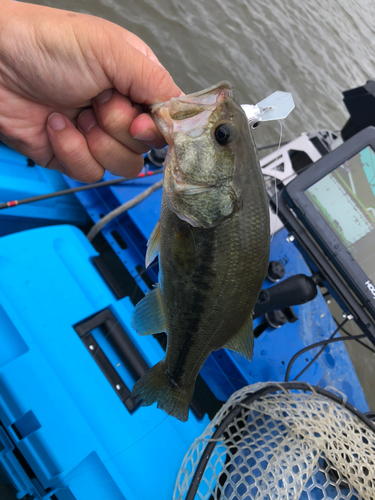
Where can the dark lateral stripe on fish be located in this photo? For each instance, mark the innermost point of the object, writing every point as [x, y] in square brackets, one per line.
[202, 279]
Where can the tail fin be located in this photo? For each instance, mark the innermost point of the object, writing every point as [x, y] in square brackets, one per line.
[156, 386]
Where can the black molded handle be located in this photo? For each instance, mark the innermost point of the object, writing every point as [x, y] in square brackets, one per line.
[124, 347]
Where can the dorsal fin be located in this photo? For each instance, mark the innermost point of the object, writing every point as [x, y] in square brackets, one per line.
[153, 245]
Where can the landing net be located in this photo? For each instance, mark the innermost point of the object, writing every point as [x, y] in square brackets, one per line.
[281, 442]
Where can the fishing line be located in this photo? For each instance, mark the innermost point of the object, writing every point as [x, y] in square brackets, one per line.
[139, 275]
[114, 456]
[271, 146]
[93, 232]
[275, 181]
[135, 288]
[235, 379]
[141, 438]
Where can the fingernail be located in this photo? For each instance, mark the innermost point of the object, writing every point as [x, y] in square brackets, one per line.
[103, 96]
[87, 120]
[56, 121]
[146, 136]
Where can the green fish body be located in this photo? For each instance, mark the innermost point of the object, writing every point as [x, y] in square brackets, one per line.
[212, 240]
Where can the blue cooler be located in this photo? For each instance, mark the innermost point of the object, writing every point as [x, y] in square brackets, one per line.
[69, 429]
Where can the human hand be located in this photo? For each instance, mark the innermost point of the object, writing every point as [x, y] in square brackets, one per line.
[73, 90]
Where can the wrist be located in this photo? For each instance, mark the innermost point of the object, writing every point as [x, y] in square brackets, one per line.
[8, 9]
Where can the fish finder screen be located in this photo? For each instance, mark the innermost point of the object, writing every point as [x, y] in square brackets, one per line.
[346, 200]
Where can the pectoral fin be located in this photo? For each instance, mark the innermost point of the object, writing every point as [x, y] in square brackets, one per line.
[153, 245]
[148, 315]
[243, 341]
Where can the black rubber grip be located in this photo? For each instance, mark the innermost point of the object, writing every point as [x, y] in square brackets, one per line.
[292, 291]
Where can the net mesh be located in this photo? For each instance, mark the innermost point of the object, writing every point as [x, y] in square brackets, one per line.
[285, 445]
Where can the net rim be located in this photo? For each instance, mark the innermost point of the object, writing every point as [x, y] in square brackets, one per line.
[238, 408]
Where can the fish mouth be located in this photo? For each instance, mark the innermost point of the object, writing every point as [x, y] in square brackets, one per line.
[189, 113]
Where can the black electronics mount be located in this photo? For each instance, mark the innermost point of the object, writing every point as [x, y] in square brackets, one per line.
[360, 102]
[327, 255]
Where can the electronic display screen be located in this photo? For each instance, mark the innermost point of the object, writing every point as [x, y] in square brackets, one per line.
[345, 198]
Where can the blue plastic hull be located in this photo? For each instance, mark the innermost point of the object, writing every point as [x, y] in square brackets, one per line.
[65, 434]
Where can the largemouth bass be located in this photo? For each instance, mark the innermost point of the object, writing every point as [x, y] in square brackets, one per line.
[212, 240]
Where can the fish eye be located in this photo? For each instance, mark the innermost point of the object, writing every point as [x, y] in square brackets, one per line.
[223, 134]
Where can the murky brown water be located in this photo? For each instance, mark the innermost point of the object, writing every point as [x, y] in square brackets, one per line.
[312, 48]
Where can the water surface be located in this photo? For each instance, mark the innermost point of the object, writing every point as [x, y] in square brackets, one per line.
[312, 48]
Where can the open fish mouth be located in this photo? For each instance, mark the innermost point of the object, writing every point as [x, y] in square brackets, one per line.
[201, 159]
[190, 113]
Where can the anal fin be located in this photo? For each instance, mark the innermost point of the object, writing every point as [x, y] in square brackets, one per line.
[243, 341]
[148, 315]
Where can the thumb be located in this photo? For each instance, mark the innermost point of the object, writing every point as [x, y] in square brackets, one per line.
[137, 73]
[140, 45]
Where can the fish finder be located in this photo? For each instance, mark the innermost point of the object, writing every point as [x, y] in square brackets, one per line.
[330, 210]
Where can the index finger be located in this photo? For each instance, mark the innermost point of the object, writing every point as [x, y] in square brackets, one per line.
[144, 129]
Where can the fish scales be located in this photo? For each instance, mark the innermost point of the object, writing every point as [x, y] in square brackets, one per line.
[212, 240]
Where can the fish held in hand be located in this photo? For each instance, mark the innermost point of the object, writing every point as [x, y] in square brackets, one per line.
[212, 240]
